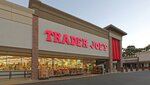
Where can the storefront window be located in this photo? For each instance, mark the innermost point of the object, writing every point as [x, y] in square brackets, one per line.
[15, 63]
[58, 63]
[67, 63]
[58, 66]
[3, 62]
[45, 63]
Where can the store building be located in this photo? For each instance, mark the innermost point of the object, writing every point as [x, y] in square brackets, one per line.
[15, 39]
[115, 49]
[139, 62]
[43, 40]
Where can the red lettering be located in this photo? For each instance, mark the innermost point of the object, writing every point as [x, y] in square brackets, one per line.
[79, 44]
[57, 37]
[105, 47]
[73, 40]
[49, 33]
[65, 39]
[85, 43]
[97, 46]
[93, 45]
[100, 47]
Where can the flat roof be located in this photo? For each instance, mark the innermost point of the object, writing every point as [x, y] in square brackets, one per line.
[16, 6]
[38, 2]
[116, 29]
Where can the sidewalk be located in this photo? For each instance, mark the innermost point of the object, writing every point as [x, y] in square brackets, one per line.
[15, 81]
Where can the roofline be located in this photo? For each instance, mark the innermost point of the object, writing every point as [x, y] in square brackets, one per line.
[112, 27]
[16, 6]
[64, 13]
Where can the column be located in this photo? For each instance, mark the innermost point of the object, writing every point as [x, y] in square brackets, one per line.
[110, 61]
[120, 62]
[34, 58]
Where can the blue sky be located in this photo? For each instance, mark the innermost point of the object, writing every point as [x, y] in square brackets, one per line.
[132, 16]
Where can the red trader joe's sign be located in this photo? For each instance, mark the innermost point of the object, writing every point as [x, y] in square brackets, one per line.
[72, 40]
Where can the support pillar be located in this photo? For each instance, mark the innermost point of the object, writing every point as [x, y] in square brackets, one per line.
[120, 62]
[108, 65]
[110, 61]
[34, 58]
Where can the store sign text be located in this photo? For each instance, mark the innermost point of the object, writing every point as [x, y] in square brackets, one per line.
[57, 37]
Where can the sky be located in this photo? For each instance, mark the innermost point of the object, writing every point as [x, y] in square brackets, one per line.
[131, 16]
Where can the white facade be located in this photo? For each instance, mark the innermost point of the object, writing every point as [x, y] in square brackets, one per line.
[15, 25]
[57, 47]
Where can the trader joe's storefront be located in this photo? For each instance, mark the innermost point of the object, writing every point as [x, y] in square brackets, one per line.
[64, 38]
[20, 66]
[48, 42]
[77, 51]
[65, 66]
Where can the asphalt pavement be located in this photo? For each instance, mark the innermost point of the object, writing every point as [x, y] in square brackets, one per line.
[132, 78]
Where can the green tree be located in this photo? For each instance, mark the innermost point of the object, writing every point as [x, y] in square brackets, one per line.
[129, 51]
[147, 47]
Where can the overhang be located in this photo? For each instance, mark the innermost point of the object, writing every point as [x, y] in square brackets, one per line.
[116, 29]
